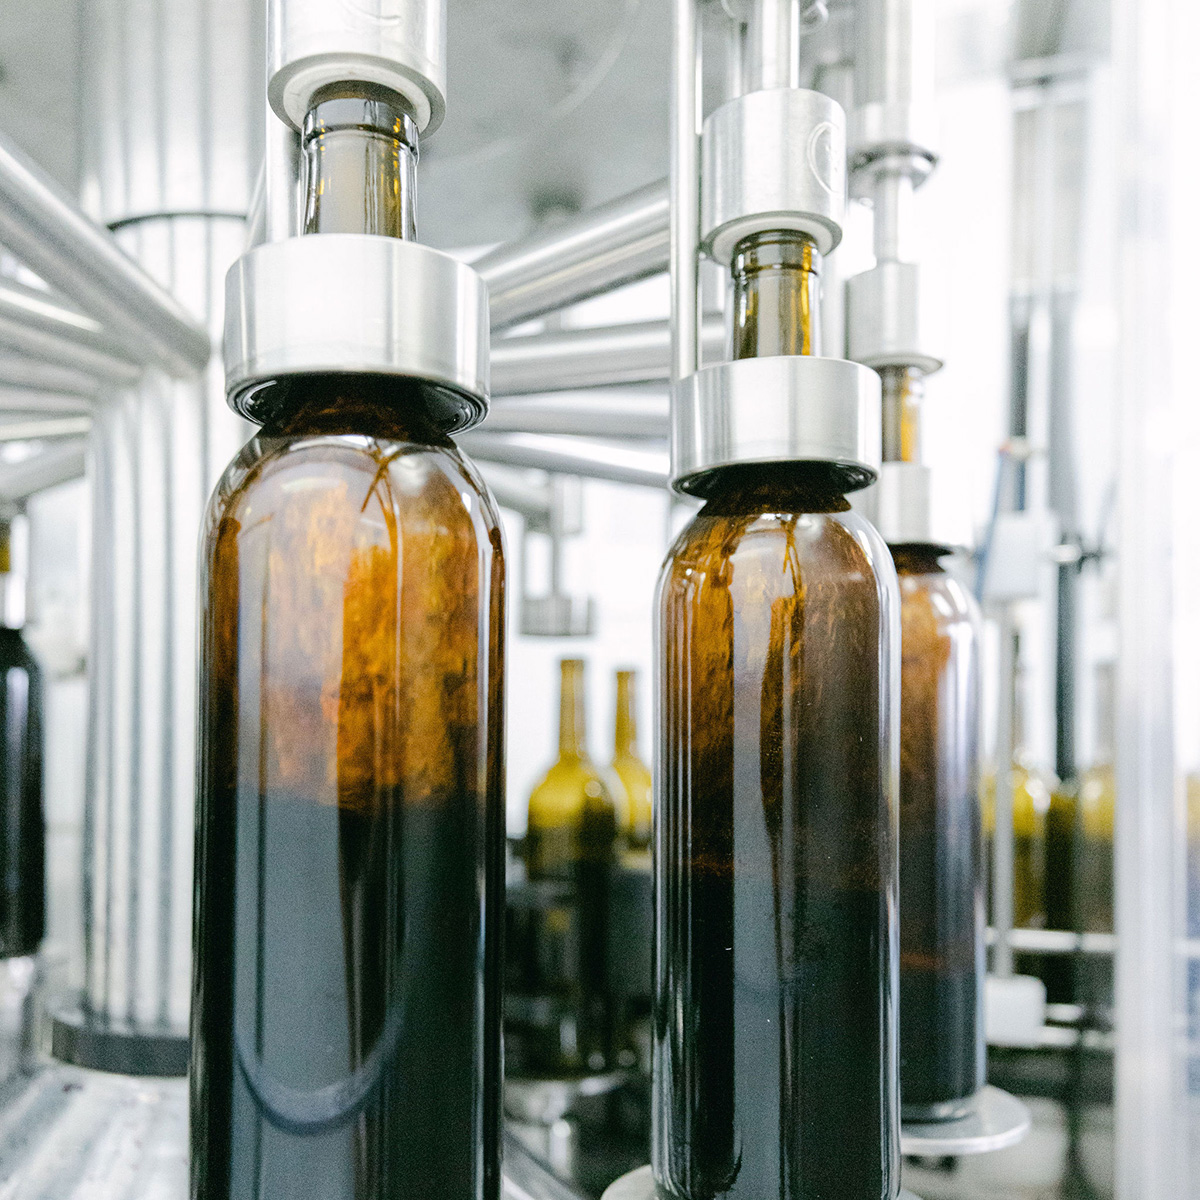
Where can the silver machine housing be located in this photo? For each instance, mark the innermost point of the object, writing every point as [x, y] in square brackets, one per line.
[793, 408]
[345, 302]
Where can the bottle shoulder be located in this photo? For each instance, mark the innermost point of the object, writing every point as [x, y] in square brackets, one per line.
[568, 788]
[835, 547]
[412, 481]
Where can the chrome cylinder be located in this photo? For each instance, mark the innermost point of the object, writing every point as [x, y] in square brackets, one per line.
[398, 44]
[354, 302]
[894, 82]
[772, 46]
[172, 146]
[790, 408]
[886, 324]
[897, 504]
[750, 185]
[609, 246]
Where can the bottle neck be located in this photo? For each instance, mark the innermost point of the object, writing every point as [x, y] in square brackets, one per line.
[572, 736]
[776, 295]
[360, 163]
[903, 389]
[625, 728]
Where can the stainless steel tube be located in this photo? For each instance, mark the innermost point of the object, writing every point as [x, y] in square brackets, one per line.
[569, 456]
[35, 323]
[594, 252]
[639, 352]
[894, 40]
[50, 234]
[21, 372]
[892, 194]
[684, 185]
[174, 111]
[773, 45]
[629, 415]
[509, 490]
[43, 428]
[59, 464]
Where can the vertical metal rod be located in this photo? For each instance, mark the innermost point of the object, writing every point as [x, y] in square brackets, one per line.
[893, 193]
[773, 45]
[1002, 806]
[685, 190]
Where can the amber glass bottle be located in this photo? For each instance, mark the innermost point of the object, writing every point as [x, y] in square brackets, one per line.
[775, 856]
[571, 840]
[350, 838]
[23, 825]
[628, 766]
[941, 880]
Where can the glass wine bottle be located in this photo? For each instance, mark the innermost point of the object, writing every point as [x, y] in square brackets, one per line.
[775, 869]
[571, 840]
[349, 859]
[23, 827]
[941, 878]
[1032, 789]
[628, 766]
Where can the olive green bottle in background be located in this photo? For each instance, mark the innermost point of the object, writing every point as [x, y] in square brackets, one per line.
[575, 822]
[628, 766]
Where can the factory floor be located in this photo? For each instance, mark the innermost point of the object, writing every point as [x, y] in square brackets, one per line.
[1036, 1169]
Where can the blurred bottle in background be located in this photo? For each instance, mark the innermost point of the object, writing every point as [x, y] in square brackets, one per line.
[628, 766]
[631, 914]
[22, 823]
[1032, 790]
[571, 843]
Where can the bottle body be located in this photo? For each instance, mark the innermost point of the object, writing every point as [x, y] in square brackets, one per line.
[349, 886]
[1032, 793]
[23, 830]
[775, 854]
[570, 848]
[628, 766]
[941, 877]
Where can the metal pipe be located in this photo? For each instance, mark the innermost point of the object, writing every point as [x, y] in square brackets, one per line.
[773, 45]
[894, 40]
[569, 456]
[37, 324]
[49, 233]
[60, 464]
[53, 427]
[26, 402]
[564, 360]
[684, 185]
[19, 371]
[605, 248]
[892, 194]
[636, 415]
[530, 500]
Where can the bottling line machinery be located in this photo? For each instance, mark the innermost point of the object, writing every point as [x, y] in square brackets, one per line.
[488, 307]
